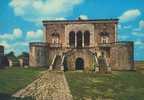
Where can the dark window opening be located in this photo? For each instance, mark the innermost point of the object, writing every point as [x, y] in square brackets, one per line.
[72, 39]
[79, 39]
[86, 38]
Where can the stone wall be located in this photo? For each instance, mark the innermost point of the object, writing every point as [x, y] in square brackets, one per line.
[119, 53]
[84, 54]
[1, 55]
[3, 58]
[38, 55]
[52, 52]
[94, 27]
[105, 27]
[121, 56]
[51, 28]
[79, 27]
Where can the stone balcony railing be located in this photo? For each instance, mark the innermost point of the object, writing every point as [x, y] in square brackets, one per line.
[104, 44]
[38, 44]
[53, 45]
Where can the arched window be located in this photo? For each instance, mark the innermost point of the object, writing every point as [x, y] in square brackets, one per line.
[86, 38]
[55, 38]
[104, 39]
[72, 39]
[79, 39]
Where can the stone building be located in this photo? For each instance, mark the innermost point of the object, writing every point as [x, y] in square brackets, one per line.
[3, 58]
[1, 55]
[24, 61]
[79, 45]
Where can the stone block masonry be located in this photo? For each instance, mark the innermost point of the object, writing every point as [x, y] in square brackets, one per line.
[77, 44]
[49, 86]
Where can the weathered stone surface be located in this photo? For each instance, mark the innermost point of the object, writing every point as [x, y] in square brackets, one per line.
[122, 57]
[84, 54]
[49, 86]
[99, 35]
[38, 55]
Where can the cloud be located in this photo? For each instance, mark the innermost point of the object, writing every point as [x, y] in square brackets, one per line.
[123, 37]
[5, 44]
[141, 24]
[83, 17]
[139, 42]
[16, 34]
[119, 26]
[139, 31]
[127, 26]
[19, 42]
[61, 18]
[37, 10]
[129, 15]
[34, 35]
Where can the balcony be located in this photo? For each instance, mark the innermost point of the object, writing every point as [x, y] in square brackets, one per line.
[104, 44]
[38, 44]
[55, 45]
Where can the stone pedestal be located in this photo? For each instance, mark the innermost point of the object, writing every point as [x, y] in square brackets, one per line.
[109, 70]
[10, 63]
[62, 68]
[50, 67]
[97, 69]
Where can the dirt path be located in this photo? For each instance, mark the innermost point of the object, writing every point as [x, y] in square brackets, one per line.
[49, 86]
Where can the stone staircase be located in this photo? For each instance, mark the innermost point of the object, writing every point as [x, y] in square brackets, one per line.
[49, 86]
[57, 63]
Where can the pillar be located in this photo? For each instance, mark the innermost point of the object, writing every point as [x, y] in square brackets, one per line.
[82, 39]
[75, 39]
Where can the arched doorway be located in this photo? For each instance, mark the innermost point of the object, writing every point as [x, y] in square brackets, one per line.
[79, 39]
[79, 64]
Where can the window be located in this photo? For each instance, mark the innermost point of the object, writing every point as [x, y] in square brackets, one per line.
[79, 39]
[55, 37]
[72, 39]
[55, 40]
[86, 38]
[104, 39]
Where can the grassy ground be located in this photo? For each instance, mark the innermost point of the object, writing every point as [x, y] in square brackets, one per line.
[139, 65]
[120, 85]
[124, 85]
[13, 79]
[116, 86]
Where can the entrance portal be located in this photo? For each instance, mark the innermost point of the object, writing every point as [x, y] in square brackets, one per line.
[79, 64]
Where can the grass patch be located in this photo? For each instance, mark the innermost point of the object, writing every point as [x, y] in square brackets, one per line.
[13, 79]
[139, 65]
[124, 85]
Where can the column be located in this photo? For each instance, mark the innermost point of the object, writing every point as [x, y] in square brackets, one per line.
[75, 39]
[82, 39]
[45, 33]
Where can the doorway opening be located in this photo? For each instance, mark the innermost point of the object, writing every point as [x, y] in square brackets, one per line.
[79, 64]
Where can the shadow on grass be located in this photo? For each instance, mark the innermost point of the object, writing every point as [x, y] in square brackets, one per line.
[4, 96]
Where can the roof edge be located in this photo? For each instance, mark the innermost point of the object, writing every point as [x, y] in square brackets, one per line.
[89, 20]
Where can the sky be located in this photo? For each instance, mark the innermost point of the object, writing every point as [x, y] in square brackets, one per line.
[20, 20]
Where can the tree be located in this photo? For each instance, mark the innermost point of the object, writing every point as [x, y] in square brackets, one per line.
[23, 54]
[11, 55]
